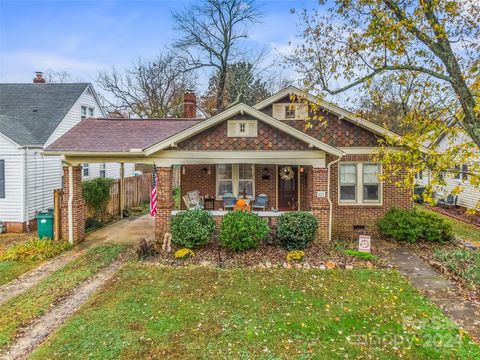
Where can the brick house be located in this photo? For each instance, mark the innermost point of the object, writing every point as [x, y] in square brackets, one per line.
[325, 167]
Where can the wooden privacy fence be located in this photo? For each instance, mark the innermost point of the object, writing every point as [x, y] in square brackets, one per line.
[137, 191]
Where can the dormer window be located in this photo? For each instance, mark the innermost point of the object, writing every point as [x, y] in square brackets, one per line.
[242, 128]
[289, 112]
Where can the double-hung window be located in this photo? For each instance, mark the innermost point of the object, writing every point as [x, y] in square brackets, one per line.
[237, 179]
[348, 183]
[225, 179]
[2, 179]
[86, 170]
[103, 170]
[86, 111]
[359, 183]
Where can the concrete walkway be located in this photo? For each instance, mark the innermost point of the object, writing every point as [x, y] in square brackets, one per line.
[437, 288]
[128, 231]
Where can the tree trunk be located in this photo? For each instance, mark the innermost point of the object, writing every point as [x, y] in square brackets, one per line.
[222, 79]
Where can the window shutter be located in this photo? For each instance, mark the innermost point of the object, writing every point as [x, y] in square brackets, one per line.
[301, 112]
[2, 179]
[278, 111]
[232, 127]
[252, 129]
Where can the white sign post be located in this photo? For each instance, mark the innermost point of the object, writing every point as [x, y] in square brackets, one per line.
[364, 243]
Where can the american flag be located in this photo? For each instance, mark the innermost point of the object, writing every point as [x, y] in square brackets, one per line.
[153, 194]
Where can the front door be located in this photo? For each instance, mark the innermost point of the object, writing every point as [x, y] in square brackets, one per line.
[287, 187]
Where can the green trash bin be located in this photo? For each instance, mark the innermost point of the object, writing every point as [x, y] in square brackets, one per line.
[45, 224]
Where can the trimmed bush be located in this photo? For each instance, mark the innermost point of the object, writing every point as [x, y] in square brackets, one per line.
[241, 230]
[413, 226]
[192, 228]
[296, 229]
[96, 194]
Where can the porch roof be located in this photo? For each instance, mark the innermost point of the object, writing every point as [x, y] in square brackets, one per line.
[118, 135]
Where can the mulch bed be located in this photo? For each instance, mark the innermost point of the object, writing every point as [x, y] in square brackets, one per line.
[458, 213]
[318, 256]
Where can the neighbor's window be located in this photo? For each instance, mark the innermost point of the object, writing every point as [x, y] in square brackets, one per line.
[224, 179]
[465, 172]
[289, 112]
[348, 182]
[371, 182]
[103, 170]
[245, 180]
[2, 179]
[86, 170]
[359, 183]
[86, 111]
[456, 173]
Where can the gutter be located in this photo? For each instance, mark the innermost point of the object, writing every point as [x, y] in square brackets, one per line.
[330, 214]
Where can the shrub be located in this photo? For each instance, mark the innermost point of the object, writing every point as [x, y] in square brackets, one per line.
[96, 194]
[295, 255]
[296, 229]
[145, 249]
[361, 255]
[192, 228]
[183, 254]
[413, 226]
[242, 230]
[33, 250]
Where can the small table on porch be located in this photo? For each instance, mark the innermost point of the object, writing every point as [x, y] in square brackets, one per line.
[209, 203]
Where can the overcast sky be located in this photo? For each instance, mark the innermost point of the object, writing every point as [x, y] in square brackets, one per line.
[84, 37]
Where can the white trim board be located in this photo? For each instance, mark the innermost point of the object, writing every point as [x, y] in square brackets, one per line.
[332, 108]
[240, 109]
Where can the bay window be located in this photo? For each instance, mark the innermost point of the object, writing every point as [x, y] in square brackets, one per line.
[359, 183]
[237, 179]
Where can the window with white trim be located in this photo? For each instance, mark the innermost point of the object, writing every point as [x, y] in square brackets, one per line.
[359, 183]
[290, 112]
[86, 111]
[103, 170]
[237, 179]
[86, 169]
[224, 179]
[2, 179]
[242, 128]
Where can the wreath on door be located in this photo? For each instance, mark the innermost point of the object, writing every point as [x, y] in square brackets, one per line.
[287, 173]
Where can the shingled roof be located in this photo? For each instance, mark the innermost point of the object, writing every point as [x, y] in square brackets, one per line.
[118, 135]
[29, 113]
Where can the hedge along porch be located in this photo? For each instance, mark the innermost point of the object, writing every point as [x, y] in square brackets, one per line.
[335, 177]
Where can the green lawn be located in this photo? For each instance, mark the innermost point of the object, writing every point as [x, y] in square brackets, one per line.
[206, 313]
[22, 309]
[461, 229]
[10, 270]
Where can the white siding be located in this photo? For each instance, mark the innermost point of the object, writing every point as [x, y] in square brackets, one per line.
[470, 196]
[113, 170]
[44, 175]
[12, 206]
[73, 117]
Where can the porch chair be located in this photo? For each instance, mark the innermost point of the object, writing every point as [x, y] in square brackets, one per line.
[260, 202]
[449, 202]
[229, 201]
[193, 200]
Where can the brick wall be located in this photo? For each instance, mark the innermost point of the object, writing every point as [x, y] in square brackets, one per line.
[20, 227]
[319, 205]
[266, 186]
[78, 205]
[164, 201]
[345, 217]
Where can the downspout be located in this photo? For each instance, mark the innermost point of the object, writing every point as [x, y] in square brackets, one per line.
[26, 193]
[330, 205]
[70, 204]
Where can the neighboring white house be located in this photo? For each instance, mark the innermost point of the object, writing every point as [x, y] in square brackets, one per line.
[32, 116]
[469, 196]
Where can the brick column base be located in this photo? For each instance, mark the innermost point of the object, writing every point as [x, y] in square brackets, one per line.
[319, 203]
[164, 202]
[78, 205]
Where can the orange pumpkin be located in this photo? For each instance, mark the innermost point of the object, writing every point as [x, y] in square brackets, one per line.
[241, 203]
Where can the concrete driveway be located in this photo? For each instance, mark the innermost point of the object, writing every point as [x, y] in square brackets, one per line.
[128, 231]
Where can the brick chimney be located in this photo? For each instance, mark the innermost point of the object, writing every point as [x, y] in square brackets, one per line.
[38, 79]
[189, 105]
